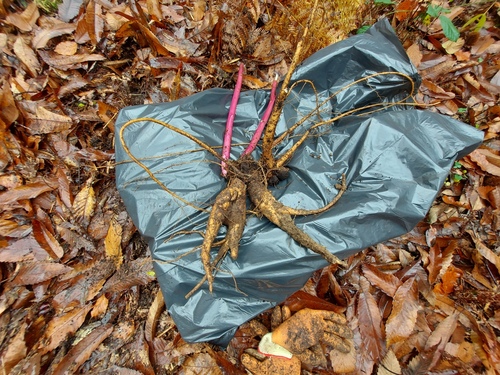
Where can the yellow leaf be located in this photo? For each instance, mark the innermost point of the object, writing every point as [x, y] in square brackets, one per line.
[112, 243]
[84, 204]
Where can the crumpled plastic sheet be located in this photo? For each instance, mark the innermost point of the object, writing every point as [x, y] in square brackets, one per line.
[395, 161]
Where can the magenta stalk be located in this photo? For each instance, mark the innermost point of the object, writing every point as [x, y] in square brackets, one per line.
[262, 124]
[228, 133]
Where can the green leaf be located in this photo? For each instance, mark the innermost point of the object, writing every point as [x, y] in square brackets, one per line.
[457, 165]
[480, 19]
[449, 29]
[436, 10]
[458, 177]
[363, 29]
[462, 110]
[384, 2]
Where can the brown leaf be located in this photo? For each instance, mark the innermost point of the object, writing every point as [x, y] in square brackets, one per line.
[301, 300]
[45, 122]
[200, 362]
[386, 282]
[10, 228]
[405, 306]
[84, 203]
[14, 351]
[47, 240]
[26, 20]
[66, 48]
[154, 312]
[370, 322]
[389, 365]
[18, 251]
[63, 186]
[68, 62]
[485, 251]
[34, 273]
[28, 191]
[61, 327]
[414, 54]
[27, 56]
[44, 35]
[487, 160]
[440, 337]
[405, 8]
[112, 243]
[9, 112]
[100, 307]
[79, 353]
[137, 272]
[95, 23]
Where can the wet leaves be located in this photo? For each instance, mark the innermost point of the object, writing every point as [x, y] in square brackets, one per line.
[77, 283]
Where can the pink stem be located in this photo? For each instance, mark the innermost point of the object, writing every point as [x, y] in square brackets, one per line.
[228, 133]
[262, 124]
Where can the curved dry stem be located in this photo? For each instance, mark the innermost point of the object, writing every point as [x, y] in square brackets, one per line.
[290, 152]
[299, 212]
[147, 170]
[267, 157]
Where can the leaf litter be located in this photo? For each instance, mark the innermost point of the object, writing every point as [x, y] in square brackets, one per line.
[76, 290]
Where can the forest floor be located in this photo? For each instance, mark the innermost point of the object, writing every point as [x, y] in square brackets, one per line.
[78, 293]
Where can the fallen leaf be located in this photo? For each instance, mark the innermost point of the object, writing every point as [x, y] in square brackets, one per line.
[15, 350]
[414, 54]
[100, 307]
[453, 47]
[112, 243]
[61, 327]
[84, 203]
[27, 56]
[370, 322]
[18, 251]
[9, 112]
[440, 337]
[47, 240]
[44, 35]
[137, 272]
[487, 160]
[28, 191]
[405, 307]
[386, 282]
[46, 122]
[79, 353]
[25, 20]
[389, 365]
[68, 62]
[38, 272]
[66, 48]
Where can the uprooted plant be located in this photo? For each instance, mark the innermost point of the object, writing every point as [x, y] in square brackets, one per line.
[247, 177]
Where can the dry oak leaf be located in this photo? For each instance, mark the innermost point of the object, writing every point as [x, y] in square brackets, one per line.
[386, 282]
[60, 327]
[37, 272]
